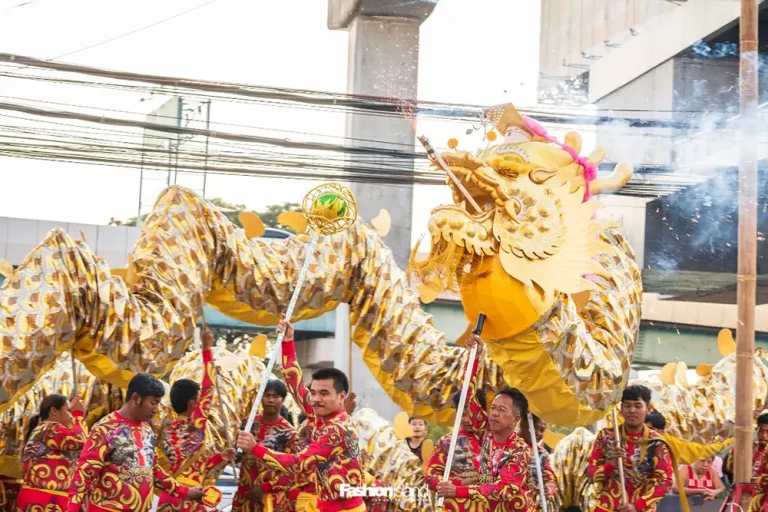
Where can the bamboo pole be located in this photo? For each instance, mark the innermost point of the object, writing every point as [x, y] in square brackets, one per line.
[747, 243]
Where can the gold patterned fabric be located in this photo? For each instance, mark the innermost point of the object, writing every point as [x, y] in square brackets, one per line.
[570, 460]
[58, 379]
[62, 294]
[705, 411]
[387, 457]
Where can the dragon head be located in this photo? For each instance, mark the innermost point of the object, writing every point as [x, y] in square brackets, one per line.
[528, 232]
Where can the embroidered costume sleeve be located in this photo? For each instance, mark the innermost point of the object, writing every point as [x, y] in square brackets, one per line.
[64, 439]
[318, 452]
[438, 461]
[294, 379]
[163, 482]
[599, 469]
[51, 454]
[550, 479]
[203, 408]
[660, 481]
[478, 414]
[507, 484]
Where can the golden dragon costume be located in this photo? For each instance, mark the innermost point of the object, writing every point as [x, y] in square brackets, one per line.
[561, 290]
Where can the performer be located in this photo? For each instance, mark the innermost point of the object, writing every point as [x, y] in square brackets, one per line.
[700, 479]
[548, 474]
[54, 440]
[465, 469]
[333, 454]
[504, 459]
[758, 453]
[416, 441]
[759, 467]
[183, 441]
[656, 421]
[645, 455]
[117, 469]
[259, 485]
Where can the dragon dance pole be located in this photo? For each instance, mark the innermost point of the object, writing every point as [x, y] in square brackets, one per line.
[747, 244]
[539, 475]
[277, 351]
[74, 372]
[617, 436]
[462, 403]
[329, 209]
[435, 156]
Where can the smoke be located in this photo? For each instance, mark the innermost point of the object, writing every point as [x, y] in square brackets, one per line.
[693, 227]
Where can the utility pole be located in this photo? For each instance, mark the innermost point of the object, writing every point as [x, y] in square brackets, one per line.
[747, 269]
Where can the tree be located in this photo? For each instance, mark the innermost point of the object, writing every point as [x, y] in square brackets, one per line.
[269, 216]
[233, 211]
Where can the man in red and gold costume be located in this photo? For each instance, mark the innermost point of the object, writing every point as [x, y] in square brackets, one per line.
[117, 470]
[190, 460]
[56, 437]
[505, 456]
[759, 489]
[548, 474]
[260, 485]
[646, 457]
[333, 454]
[465, 469]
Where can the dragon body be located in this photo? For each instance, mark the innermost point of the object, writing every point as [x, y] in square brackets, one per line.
[561, 290]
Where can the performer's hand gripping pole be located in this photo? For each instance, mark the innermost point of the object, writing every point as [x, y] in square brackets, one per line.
[617, 435]
[539, 474]
[277, 351]
[462, 403]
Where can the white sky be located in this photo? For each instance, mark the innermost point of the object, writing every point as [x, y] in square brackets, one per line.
[258, 42]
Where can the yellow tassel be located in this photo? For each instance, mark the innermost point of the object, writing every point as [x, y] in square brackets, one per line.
[440, 270]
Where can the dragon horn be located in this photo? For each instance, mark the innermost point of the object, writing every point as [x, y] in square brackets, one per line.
[613, 182]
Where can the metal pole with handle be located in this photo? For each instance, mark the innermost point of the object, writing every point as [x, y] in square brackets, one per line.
[462, 403]
[539, 474]
[617, 435]
[277, 351]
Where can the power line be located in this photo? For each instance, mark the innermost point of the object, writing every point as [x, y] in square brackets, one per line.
[136, 31]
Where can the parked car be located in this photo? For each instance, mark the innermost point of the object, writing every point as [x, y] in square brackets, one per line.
[227, 484]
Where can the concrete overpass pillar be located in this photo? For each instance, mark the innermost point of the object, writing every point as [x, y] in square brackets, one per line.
[383, 61]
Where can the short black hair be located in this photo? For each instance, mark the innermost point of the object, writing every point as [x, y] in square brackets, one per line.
[145, 385]
[278, 387]
[340, 381]
[656, 420]
[288, 415]
[636, 392]
[518, 399]
[480, 396]
[762, 419]
[182, 391]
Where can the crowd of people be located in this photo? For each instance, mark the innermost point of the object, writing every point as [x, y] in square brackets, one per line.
[116, 465]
